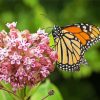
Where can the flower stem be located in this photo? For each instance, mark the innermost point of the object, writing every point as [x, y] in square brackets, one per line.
[18, 98]
[32, 90]
[50, 93]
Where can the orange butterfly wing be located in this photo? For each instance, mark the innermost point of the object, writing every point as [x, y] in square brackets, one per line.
[82, 36]
[83, 33]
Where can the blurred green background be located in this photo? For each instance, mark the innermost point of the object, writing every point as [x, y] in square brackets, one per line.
[34, 14]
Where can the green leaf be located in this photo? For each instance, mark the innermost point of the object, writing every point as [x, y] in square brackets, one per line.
[6, 85]
[5, 96]
[29, 91]
[51, 40]
[43, 91]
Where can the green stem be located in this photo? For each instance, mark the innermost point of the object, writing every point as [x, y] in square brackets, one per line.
[18, 98]
[32, 90]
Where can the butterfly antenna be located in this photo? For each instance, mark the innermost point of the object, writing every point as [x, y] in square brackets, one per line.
[50, 30]
[46, 16]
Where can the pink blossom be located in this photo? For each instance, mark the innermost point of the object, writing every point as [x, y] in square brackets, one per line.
[28, 61]
[25, 58]
[15, 58]
[44, 71]
[41, 32]
[11, 25]
[53, 55]
[23, 45]
[3, 53]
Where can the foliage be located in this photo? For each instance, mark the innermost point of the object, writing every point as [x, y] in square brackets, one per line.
[43, 91]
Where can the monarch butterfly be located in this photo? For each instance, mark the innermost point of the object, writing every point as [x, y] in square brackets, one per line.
[71, 42]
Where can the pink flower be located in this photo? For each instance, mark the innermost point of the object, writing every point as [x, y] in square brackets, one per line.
[3, 53]
[28, 61]
[44, 71]
[23, 45]
[11, 25]
[25, 58]
[15, 58]
[53, 55]
[41, 32]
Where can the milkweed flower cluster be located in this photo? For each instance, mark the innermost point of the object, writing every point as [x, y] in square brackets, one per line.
[25, 58]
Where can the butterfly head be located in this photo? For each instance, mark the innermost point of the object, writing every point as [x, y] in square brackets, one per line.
[56, 31]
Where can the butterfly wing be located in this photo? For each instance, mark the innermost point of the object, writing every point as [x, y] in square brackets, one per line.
[87, 34]
[69, 52]
[71, 43]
